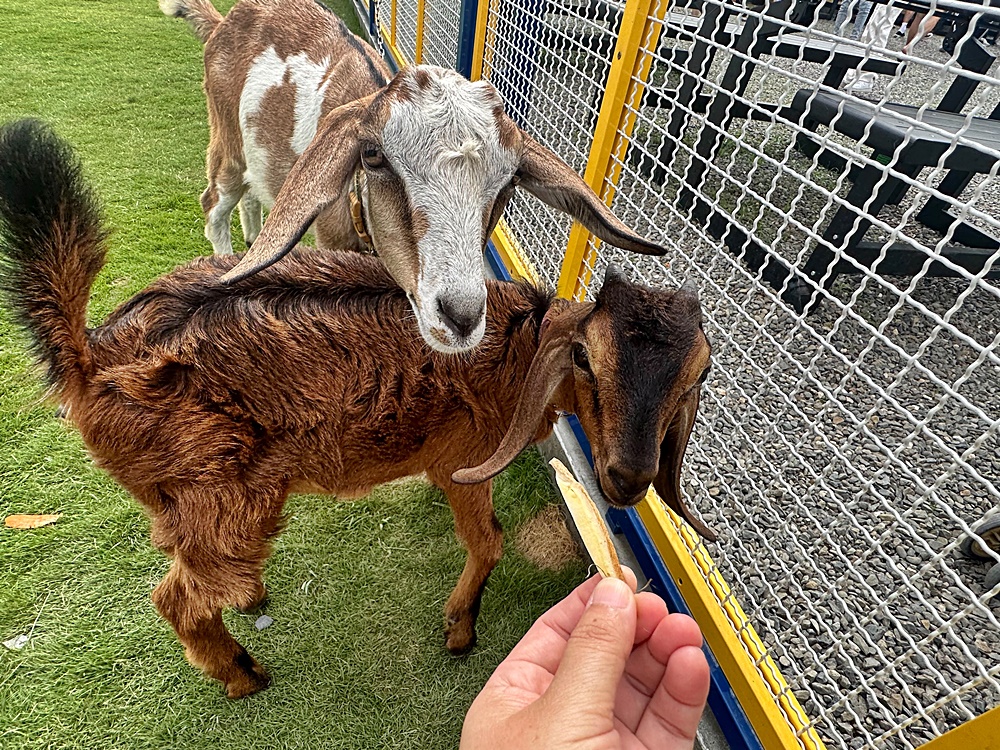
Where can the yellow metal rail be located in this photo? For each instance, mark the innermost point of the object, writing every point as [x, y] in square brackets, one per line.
[981, 733]
[392, 24]
[487, 10]
[418, 54]
[512, 254]
[769, 703]
[397, 54]
[642, 22]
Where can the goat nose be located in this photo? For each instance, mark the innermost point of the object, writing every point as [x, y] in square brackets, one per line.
[461, 317]
[628, 483]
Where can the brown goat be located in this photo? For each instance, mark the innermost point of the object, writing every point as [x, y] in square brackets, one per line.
[211, 402]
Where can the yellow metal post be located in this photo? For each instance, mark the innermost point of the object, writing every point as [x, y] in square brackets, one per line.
[397, 54]
[392, 23]
[770, 706]
[418, 54]
[483, 15]
[981, 733]
[642, 22]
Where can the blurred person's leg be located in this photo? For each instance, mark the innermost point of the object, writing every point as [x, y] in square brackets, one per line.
[876, 34]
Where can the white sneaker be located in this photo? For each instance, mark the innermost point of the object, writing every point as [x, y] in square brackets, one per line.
[860, 86]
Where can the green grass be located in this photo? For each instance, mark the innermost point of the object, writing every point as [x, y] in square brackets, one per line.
[357, 589]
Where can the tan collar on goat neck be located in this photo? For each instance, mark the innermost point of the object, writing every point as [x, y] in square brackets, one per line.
[358, 212]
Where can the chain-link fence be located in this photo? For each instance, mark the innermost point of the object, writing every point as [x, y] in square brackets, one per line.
[836, 201]
[415, 34]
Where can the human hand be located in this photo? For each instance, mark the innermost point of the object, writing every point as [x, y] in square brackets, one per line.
[604, 668]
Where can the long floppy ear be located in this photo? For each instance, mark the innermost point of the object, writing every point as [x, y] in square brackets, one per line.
[317, 179]
[553, 181]
[550, 366]
[668, 477]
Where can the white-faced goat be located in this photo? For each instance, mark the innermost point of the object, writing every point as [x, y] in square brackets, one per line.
[211, 402]
[307, 117]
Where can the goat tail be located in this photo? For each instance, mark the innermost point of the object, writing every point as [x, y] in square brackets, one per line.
[200, 14]
[52, 246]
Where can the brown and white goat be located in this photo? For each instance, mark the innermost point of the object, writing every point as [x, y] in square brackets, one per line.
[303, 114]
[211, 403]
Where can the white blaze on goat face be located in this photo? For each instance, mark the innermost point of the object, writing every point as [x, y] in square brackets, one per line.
[442, 141]
[309, 81]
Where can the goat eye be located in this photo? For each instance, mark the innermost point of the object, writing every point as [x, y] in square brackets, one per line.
[372, 156]
[580, 358]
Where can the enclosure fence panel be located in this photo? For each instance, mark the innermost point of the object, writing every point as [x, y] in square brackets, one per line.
[835, 201]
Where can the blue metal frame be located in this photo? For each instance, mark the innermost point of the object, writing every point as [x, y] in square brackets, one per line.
[496, 263]
[367, 21]
[467, 36]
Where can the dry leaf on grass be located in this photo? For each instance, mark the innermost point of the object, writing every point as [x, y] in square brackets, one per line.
[589, 523]
[30, 521]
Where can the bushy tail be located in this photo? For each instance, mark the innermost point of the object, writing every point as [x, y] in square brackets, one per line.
[51, 248]
[201, 14]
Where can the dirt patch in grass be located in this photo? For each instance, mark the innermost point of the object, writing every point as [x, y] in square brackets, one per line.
[545, 540]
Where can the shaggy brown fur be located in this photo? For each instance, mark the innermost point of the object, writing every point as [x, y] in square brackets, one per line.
[211, 403]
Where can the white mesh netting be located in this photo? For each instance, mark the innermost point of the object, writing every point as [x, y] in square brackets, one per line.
[842, 238]
[843, 454]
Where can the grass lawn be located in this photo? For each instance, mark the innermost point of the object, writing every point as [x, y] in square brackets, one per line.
[357, 589]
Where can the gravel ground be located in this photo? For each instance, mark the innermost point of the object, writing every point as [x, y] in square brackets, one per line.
[842, 455]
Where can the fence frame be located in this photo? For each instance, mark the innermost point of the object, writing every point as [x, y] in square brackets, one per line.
[749, 697]
[741, 701]
[615, 123]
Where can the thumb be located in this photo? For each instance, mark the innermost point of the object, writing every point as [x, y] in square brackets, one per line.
[595, 656]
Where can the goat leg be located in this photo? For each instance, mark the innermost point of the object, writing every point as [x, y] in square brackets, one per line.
[251, 217]
[219, 541]
[226, 189]
[476, 525]
[256, 600]
[208, 645]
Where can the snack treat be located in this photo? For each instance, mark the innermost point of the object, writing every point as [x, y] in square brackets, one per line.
[589, 523]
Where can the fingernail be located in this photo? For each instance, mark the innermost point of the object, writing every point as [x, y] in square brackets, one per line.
[612, 593]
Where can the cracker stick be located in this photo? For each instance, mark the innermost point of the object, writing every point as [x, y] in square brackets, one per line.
[589, 523]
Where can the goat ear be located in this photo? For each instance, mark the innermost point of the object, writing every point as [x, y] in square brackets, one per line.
[667, 482]
[553, 181]
[549, 368]
[317, 179]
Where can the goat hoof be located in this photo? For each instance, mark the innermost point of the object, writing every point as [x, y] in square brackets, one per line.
[250, 677]
[459, 637]
[242, 688]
